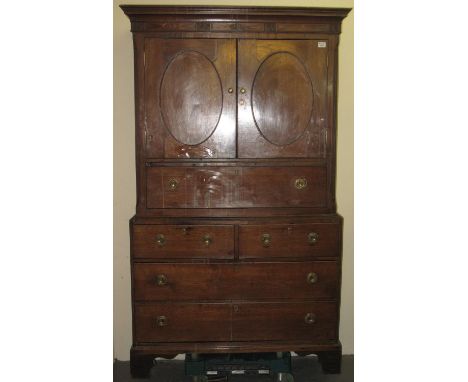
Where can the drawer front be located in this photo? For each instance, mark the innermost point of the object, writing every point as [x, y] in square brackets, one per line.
[183, 241]
[182, 322]
[315, 321]
[244, 281]
[236, 187]
[290, 240]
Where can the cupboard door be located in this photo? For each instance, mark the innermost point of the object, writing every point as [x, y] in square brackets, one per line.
[190, 104]
[282, 94]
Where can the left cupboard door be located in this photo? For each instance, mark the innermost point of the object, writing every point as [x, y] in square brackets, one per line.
[190, 98]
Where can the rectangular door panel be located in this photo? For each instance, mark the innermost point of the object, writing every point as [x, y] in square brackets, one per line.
[282, 98]
[190, 111]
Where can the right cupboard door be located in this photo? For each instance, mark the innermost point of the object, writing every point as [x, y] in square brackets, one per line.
[282, 98]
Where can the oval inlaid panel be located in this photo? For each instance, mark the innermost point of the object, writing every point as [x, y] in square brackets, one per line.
[191, 98]
[282, 99]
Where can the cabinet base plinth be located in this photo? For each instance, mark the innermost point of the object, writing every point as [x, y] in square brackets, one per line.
[142, 356]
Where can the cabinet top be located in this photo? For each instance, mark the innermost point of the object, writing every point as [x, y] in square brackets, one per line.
[232, 11]
[234, 21]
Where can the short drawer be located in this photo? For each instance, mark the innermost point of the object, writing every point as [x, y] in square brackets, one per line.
[290, 240]
[236, 187]
[179, 282]
[312, 321]
[183, 241]
[182, 322]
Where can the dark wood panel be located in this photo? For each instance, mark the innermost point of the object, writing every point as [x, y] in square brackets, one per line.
[149, 18]
[191, 98]
[257, 162]
[241, 281]
[314, 321]
[236, 187]
[286, 220]
[296, 27]
[283, 110]
[232, 212]
[289, 240]
[182, 322]
[183, 241]
[247, 13]
[189, 110]
[282, 99]
[305, 346]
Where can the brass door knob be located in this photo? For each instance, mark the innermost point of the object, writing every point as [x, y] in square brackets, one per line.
[230, 90]
[300, 183]
[312, 237]
[173, 184]
[161, 321]
[242, 90]
[309, 318]
[160, 239]
[312, 278]
[266, 239]
[207, 240]
[161, 280]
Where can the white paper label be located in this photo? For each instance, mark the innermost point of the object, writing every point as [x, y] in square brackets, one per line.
[322, 44]
[238, 372]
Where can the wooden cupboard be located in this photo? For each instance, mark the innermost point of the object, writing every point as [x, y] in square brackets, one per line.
[236, 244]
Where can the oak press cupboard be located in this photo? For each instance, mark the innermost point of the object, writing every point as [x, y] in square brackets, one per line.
[236, 245]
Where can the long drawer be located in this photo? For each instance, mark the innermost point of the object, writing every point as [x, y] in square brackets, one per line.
[236, 187]
[182, 241]
[285, 240]
[184, 322]
[243, 281]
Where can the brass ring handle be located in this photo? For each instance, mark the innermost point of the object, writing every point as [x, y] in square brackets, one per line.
[161, 280]
[161, 321]
[266, 239]
[300, 183]
[312, 237]
[309, 318]
[160, 239]
[242, 90]
[312, 278]
[207, 240]
[173, 184]
[230, 90]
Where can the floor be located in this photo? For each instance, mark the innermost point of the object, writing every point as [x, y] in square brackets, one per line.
[305, 369]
